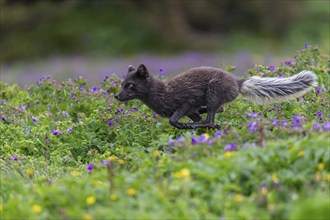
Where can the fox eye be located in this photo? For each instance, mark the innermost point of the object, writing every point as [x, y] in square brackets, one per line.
[129, 86]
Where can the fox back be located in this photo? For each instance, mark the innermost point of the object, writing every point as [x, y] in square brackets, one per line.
[165, 97]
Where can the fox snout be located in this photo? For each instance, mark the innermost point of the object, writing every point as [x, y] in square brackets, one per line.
[119, 97]
[122, 96]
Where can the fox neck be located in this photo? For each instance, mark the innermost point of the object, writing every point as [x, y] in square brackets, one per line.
[155, 99]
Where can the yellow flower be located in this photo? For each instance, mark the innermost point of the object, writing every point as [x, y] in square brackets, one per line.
[182, 174]
[121, 161]
[275, 179]
[37, 208]
[114, 197]
[301, 153]
[177, 175]
[263, 190]
[206, 135]
[156, 153]
[90, 200]
[228, 154]
[239, 198]
[185, 173]
[112, 158]
[320, 166]
[74, 173]
[87, 217]
[29, 171]
[131, 192]
[327, 177]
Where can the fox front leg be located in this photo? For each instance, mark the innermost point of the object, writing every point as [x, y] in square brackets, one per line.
[179, 113]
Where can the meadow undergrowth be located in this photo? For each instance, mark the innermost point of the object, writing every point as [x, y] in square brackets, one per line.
[69, 151]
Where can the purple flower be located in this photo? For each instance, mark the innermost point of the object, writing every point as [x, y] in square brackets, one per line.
[3, 118]
[13, 158]
[254, 114]
[296, 124]
[306, 45]
[34, 119]
[69, 129]
[284, 123]
[55, 132]
[275, 122]
[194, 140]
[217, 134]
[281, 74]
[162, 74]
[90, 167]
[103, 162]
[81, 88]
[110, 123]
[171, 142]
[296, 121]
[231, 146]
[22, 107]
[203, 138]
[73, 96]
[319, 113]
[326, 126]
[134, 109]
[253, 126]
[287, 63]
[319, 89]
[105, 93]
[272, 68]
[155, 115]
[316, 126]
[227, 147]
[192, 154]
[95, 88]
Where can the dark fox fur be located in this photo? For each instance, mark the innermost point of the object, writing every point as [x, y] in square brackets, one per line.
[205, 90]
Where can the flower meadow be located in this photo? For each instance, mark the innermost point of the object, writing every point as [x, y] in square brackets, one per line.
[71, 151]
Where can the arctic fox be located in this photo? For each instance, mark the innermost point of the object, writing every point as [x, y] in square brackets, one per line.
[204, 90]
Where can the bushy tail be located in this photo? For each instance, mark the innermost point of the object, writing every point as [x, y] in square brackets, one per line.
[271, 90]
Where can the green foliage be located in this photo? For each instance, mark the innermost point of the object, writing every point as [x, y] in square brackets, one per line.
[39, 29]
[73, 152]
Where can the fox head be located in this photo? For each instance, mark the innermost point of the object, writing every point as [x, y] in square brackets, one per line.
[136, 84]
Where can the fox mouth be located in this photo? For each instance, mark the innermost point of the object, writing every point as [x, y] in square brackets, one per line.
[121, 98]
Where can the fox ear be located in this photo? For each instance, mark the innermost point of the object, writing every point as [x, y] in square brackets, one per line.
[130, 68]
[142, 70]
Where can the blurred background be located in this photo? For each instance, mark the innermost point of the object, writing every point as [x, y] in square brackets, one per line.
[70, 38]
